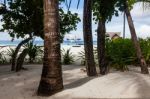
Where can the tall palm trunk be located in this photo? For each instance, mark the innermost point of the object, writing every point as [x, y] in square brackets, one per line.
[124, 25]
[51, 78]
[141, 59]
[101, 47]
[88, 40]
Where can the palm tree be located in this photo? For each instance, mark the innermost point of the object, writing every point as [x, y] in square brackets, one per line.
[106, 10]
[141, 59]
[88, 40]
[101, 47]
[51, 78]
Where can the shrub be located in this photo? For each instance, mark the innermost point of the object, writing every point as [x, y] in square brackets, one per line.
[10, 52]
[3, 59]
[68, 57]
[82, 57]
[33, 51]
[145, 47]
[120, 52]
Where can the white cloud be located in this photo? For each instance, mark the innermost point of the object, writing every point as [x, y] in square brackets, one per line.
[144, 31]
[141, 21]
[139, 11]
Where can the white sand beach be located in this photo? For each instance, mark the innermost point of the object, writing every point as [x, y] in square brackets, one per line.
[23, 85]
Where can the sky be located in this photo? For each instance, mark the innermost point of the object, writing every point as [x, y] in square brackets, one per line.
[141, 19]
[140, 16]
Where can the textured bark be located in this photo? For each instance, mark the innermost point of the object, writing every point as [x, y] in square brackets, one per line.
[88, 40]
[141, 59]
[124, 25]
[13, 66]
[30, 60]
[51, 78]
[20, 60]
[101, 47]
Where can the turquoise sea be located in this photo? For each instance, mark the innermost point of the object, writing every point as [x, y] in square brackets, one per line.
[40, 43]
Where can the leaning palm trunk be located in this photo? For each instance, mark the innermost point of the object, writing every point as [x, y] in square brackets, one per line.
[20, 60]
[141, 59]
[101, 47]
[51, 78]
[88, 40]
[13, 66]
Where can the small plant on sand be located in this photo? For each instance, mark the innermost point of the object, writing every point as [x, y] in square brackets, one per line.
[3, 59]
[119, 64]
[39, 58]
[68, 57]
[33, 51]
[10, 52]
[81, 57]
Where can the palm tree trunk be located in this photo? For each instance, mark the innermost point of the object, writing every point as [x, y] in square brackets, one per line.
[124, 25]
[141, 59]
[13, 66]
[20, 60]
[88, 40]
[101, 47]
[51, 78]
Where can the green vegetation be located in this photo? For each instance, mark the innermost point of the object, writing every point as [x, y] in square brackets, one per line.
[2, 58]
[33, 51]
[82, 57]
[120, 53]
[68, 57]
[145, 47]
[26, 18]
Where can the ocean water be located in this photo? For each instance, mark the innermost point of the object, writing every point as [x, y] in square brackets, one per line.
[41, 43]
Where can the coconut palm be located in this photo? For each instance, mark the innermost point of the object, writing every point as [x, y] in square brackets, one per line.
[103, 10]
[88, 40]
[87, 34]
[51, 78]
[141, 59]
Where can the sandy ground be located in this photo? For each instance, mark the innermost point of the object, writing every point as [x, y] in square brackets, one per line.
[23, 85]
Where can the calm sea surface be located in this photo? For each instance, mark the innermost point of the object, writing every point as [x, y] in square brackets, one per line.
[40, 43]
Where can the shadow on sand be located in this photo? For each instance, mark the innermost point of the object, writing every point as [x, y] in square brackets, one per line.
[78, 83]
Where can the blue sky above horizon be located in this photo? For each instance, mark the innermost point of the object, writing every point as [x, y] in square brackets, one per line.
[141, 20]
